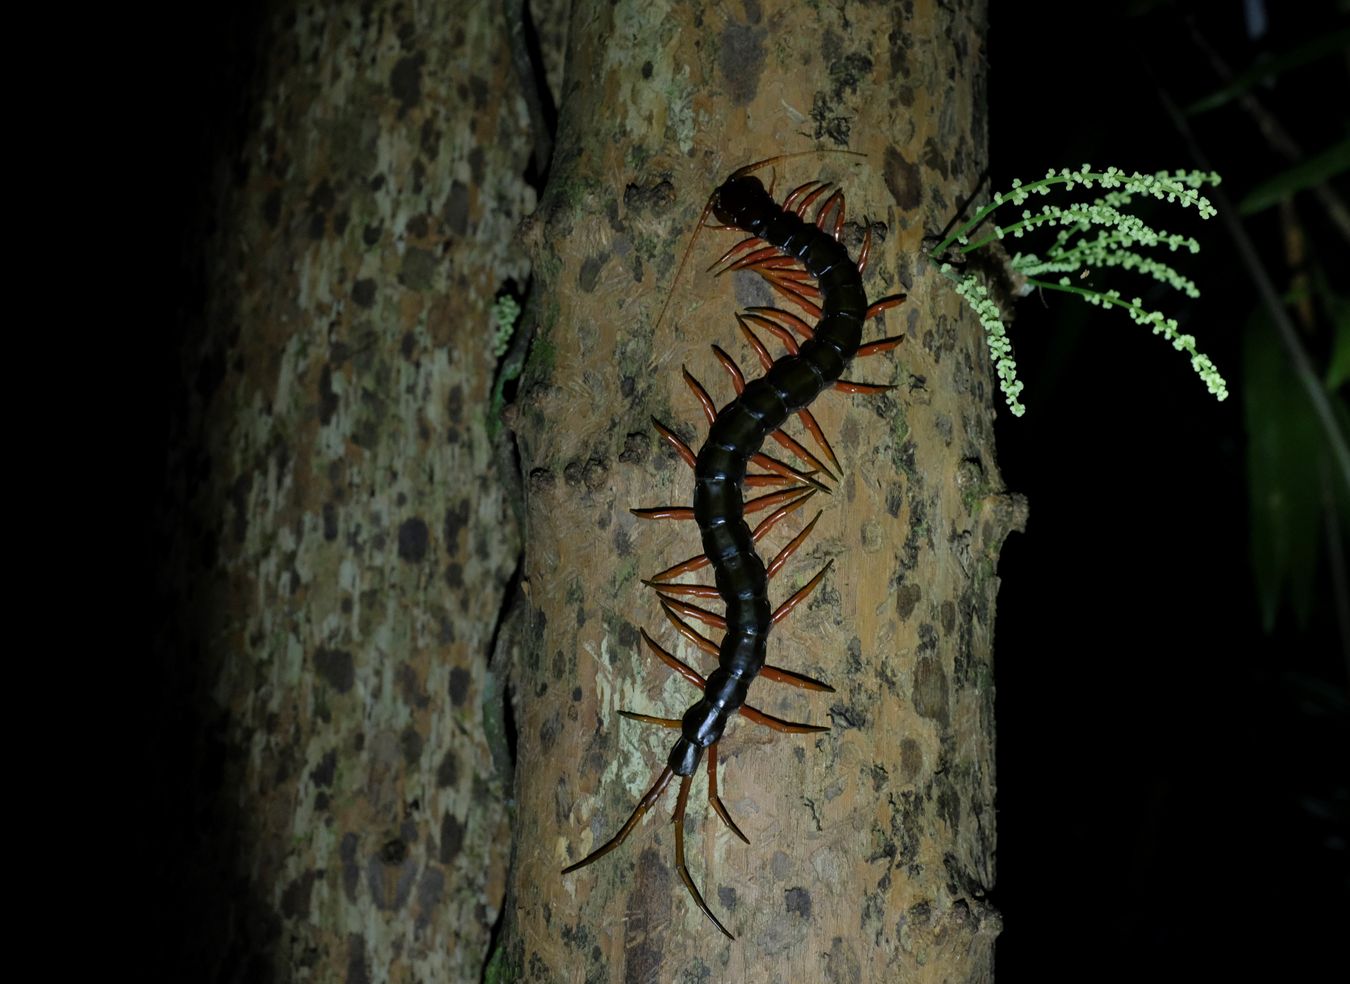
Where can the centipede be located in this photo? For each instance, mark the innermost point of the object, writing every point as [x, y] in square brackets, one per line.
[802, 257]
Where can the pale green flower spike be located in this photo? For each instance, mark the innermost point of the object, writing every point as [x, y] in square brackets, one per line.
[1118, 239]
[504, 312]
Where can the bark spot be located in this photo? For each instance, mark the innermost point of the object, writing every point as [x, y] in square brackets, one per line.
[933, 157]
[742, 57]
[596, 470]
[418, 269]
[841, 963]
[949, 806]
[239, 493]
[351, 872]
[272, 208]
[654, 198]
[410, 686]
[393, 851]
[363, 292]
[459, 686]
[413, 539]
[336, 668]
[452, 838]
[447, 773]
[328, 399]
[635, 448]
[590, 272]
[930, 691]
[357, 971]
[948, 617]
[911, 759]
[799, 901]
[648, 914]
[902, 178]
[410, 744]
[906, 599]
[456, 518]
[323, 773]
[457, 208]
[429, 894]
[895, 499]
[405, 81]
[295, 897]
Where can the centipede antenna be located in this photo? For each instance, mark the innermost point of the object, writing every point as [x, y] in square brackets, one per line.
[752, 168]
[650, 719]
[964, 206]
[670, 292]
[678, 820]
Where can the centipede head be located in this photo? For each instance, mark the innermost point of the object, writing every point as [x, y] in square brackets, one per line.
[735, 196]
[730, 198]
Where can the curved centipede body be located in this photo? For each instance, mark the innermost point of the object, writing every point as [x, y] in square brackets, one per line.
[805, 262]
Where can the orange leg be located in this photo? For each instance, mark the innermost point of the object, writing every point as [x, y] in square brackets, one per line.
[644, 804]
[768, 672]
[751, 714]
[701, 561]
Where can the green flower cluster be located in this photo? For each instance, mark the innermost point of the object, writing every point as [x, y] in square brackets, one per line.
[1119, 237]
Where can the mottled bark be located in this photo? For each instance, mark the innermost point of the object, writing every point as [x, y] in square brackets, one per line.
[340, 537]
[871, 846]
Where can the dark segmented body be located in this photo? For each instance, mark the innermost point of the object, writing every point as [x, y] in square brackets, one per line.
[735, 437]
[739, 431]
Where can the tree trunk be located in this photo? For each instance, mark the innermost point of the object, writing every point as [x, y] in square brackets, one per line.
[340, 535]
[871, 846]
